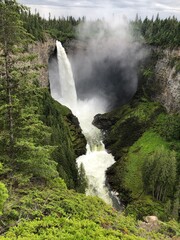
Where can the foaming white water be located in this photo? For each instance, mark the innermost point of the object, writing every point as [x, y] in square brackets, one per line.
[95, 163]
[86, 110]
[96, 160]
[68, 95]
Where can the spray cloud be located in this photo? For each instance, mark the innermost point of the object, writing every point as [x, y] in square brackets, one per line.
[105, 66]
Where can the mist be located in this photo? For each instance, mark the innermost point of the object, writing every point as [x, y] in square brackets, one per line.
[106, 60]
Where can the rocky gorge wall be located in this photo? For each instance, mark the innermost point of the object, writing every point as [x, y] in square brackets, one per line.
[166, 77]
[136, 130]
[165, 80]
[43, 50]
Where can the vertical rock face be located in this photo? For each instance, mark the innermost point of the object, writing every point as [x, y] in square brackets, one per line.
[43, 50]
[167, 78]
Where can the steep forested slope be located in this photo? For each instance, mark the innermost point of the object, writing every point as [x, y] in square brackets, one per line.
[39, 142]
[39, 139]
[145, 140]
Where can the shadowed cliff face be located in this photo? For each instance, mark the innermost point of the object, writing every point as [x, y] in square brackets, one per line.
[106, 78]
[54, 73]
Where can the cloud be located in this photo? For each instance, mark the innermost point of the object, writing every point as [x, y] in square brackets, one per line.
[174, 4]
[101, 8]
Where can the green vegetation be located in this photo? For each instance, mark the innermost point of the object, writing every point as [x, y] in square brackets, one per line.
[145, 143]
[40, 140]
[137, 158]
[66, 136]
[159, 173]
[158, 32]
[62, 29]
[3, 196]
[82, 180]
[54, 212]
[37, 138]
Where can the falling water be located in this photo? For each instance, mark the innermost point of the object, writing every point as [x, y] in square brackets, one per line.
[96, 160]
[67, 95]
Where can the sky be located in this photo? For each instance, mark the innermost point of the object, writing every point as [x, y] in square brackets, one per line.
[93, 9]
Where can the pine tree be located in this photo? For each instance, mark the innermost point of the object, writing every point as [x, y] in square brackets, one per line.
[82, 180]
[11, 35]
[3, 193]
[24, 137]
[159, 173]
[176, 203]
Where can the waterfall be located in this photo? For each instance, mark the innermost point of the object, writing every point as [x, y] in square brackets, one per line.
[95, 164]
[96, 160]
[67, 95]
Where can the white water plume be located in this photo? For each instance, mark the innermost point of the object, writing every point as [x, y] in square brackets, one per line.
[67, 95]
[96, 160]
[86, 110]
[95, 163]
[106, 63]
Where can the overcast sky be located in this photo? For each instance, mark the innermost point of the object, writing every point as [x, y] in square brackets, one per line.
[105, 8]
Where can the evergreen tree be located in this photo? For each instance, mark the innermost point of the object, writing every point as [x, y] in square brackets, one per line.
[24, 137]
[11, 35]
[82, 180]
[3, 194]
[176, 204]
[158, 32]
[159, 173]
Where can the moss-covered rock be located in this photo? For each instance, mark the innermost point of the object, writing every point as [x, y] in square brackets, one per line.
[129, 123]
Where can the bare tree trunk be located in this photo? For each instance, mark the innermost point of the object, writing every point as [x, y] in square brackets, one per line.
[9, 101]
[164, 195]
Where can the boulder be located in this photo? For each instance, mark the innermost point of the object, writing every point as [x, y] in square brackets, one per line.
[151, 223]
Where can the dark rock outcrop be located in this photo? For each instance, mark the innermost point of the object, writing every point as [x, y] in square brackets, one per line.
[104, 122]
[78, 139]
